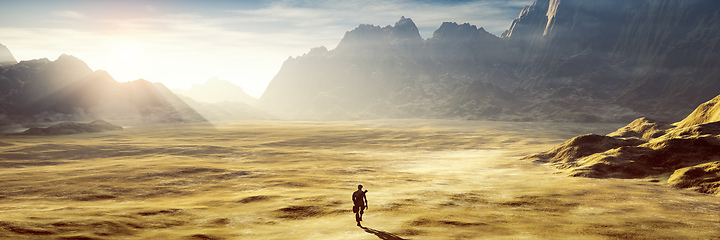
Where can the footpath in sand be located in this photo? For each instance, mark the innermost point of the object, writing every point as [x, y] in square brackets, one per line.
[294, 180]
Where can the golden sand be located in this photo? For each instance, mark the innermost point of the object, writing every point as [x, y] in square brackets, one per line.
[294, 180]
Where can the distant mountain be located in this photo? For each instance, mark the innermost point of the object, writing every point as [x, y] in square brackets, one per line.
[215, 90]
[220, 100]
[68, 90]
[226, 111]
[6, 58]
[380, 72]
[570, 60]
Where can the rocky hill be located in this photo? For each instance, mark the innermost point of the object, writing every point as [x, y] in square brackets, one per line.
[688, 151]
[68, 90]
[67, 128]
[570, 60]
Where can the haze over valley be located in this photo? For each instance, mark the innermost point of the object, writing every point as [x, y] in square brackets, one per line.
[571, 119]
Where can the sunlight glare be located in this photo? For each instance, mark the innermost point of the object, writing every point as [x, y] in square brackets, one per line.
[126, 60]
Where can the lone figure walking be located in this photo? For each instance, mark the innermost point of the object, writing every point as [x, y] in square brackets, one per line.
[360, 201]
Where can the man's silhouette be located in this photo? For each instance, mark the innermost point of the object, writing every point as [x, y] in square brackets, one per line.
[360, 201]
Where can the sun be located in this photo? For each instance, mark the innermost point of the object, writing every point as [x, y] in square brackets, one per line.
[127, 60]
[127, 51]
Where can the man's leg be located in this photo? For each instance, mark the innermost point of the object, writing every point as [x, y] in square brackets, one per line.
[357, 210]
[362, 210]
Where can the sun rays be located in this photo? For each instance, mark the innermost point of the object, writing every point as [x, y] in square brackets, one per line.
[127, 60]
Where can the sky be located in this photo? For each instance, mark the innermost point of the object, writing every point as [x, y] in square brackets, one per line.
[181, 42]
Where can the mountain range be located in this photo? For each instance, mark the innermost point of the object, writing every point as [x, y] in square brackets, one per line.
[219, 100]
[559, 60]
[66, 89]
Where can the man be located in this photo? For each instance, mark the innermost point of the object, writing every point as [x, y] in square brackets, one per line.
[360, 201]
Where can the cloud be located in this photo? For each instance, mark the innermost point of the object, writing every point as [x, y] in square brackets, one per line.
[69, 14]
[243, 44]
[494, 15]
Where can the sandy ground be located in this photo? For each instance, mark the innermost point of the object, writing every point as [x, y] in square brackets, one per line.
[294, 180]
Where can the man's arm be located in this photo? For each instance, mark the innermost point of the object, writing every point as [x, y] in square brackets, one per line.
[365, 198]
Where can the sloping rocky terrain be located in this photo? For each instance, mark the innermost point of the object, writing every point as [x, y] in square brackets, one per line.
[688, 151]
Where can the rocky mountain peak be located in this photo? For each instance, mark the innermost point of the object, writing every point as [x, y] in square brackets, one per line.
[403, 32]
[69, 59]
[405, 22]
[571, 18]
[459, 32]
[529, 19]
[73, 65]
[318, 51]
[405, 28]
[6, 58]
[214, 81]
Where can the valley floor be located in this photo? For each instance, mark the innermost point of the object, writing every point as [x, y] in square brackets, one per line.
[294, 180]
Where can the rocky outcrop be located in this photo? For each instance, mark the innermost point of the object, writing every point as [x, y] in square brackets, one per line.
[567, 154]
[641, 128]
[688, 150]
[704, 178]
[67, 128]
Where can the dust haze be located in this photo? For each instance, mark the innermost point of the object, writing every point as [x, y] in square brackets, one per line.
[427, 179]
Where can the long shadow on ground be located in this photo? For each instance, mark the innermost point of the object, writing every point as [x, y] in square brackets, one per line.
[382, 234]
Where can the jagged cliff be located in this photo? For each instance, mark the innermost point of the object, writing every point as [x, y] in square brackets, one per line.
[560, 60]
[68, 90]
[656, 57]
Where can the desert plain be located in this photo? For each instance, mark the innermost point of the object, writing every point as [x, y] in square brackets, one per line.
[427, 179]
